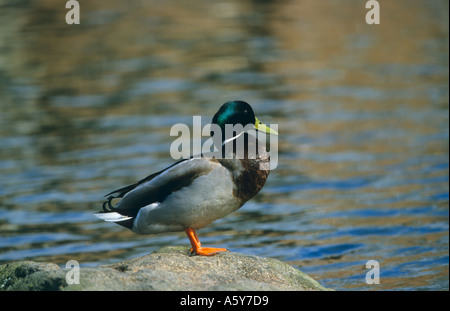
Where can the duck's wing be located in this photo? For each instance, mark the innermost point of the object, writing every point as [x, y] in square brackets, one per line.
[119, 193]
[156, 187]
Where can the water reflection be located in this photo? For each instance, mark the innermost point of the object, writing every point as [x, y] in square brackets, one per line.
[362, 111]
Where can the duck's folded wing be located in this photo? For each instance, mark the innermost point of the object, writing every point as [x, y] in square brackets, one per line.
[156, 187]
[119, 193]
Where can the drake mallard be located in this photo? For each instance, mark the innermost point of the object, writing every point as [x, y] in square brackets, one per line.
[192, 193]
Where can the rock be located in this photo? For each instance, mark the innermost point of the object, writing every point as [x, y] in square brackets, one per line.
[170, 268]
[29, 275]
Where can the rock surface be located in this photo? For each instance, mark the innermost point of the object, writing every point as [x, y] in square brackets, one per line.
[170, 268]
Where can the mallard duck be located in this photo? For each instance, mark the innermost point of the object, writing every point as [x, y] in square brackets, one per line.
[192, 193]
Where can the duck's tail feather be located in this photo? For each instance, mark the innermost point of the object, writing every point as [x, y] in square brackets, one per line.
[123, 220]
[112, 216]
[108, 202]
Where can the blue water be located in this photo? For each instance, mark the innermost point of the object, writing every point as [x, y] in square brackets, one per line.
[362, 112]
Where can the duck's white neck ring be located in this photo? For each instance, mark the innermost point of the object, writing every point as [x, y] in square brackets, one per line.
[232, 138]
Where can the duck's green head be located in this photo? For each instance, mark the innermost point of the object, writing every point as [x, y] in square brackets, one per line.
[239, 112]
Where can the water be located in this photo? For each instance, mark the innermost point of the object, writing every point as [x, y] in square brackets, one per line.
[362, 111]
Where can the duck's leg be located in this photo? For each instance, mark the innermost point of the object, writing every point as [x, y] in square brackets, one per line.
[197, 248]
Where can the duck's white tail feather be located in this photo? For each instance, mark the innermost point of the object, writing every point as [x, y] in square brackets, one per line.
[112, 217]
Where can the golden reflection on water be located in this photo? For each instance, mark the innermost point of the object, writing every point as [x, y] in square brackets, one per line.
[362, 112]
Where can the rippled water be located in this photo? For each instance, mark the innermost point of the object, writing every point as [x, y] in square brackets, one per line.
[362, 112]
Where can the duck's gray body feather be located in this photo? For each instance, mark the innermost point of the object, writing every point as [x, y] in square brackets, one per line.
[192, 193]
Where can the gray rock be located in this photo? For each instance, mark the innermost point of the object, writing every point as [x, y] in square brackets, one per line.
[170, 268]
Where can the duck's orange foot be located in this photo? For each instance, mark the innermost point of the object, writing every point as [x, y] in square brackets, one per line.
[207, 251]
[197, 248]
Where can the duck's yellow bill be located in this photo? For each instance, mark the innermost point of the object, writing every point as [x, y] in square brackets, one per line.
[263, 128]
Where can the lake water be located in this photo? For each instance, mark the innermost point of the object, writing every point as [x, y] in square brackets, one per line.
[362, 111]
